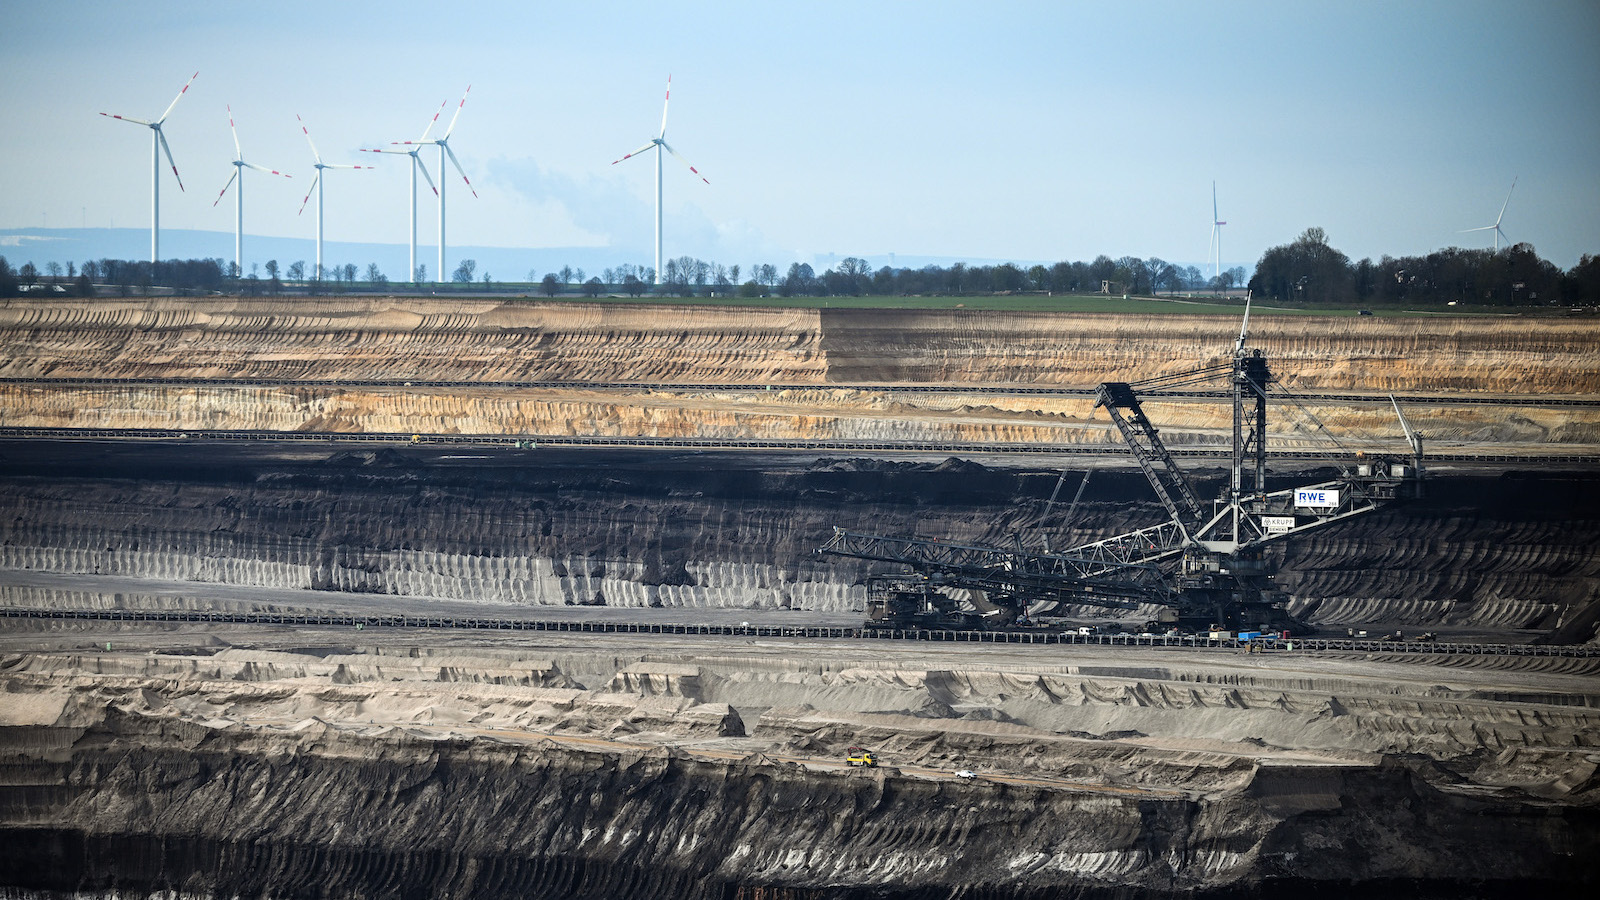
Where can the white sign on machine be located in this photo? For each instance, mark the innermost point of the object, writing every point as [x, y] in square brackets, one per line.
[1316, 498]
[1277, 524]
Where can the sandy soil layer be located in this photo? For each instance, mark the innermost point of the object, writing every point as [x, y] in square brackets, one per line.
[338, 339]
[468, 340]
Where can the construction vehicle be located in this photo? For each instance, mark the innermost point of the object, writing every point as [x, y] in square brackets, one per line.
[1205, 565]
[861, 756]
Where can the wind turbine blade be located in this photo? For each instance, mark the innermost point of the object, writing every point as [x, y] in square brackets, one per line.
[634, 153]
[177, 98]
[237, 153]
[314, 154]
[453, 118]
[163, 136]
[675, 153]
[127, 119]
[265, 169]
[424, 168]
[1213, 201]
[226, 186]
[396, 152]
[431, 122]
[665, 100]
[1470, 230]
[331, 166]
[452, 155]
[309, 191]
[1506, 204]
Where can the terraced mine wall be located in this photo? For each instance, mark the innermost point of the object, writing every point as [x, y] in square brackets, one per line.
[638, 529]
[485, 340]
[136, 806]
[823, 357]
[596, 770]
[195, 763]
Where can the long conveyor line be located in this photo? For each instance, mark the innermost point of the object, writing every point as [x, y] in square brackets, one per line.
[1029, 636]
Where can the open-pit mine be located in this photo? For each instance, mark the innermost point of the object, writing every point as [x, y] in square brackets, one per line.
[225, 524]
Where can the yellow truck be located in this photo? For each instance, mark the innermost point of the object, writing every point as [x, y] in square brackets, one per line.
[861, 756]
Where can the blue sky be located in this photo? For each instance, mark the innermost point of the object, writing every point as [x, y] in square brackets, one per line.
[1026, 131]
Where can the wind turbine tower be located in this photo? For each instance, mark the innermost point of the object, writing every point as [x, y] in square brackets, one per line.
[1216, 235]
[1498, 234]
[158, 144]
[659, 143]
[443, 143]
[416, 163]
[316, 185]
[239, 165]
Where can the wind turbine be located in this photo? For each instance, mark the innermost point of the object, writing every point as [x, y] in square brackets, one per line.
[659, 143]
[1498, 234]
[1216, 235]
[158, 143]
[316, 185]
[416, 163]
[444, 149]
[239, 165]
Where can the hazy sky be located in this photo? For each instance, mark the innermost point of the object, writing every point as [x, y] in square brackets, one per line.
[1027, 131]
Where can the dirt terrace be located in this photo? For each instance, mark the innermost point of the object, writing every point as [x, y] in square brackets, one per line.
[483, 340]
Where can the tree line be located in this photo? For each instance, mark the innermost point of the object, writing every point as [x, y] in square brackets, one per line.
[854, 277]
[1309, 270]
[683, 276]
[185, 276]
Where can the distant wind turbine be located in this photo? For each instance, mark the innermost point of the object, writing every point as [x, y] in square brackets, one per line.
[443, 143]
[1498, 234]
[659, 143]
[416, 163]
[316, 185]
[239, 165]
[1216, 235]
[158, 143]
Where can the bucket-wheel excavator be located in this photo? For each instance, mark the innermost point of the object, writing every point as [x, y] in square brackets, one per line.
[1203, 566]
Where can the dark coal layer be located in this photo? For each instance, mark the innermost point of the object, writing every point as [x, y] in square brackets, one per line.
[1515, 550]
